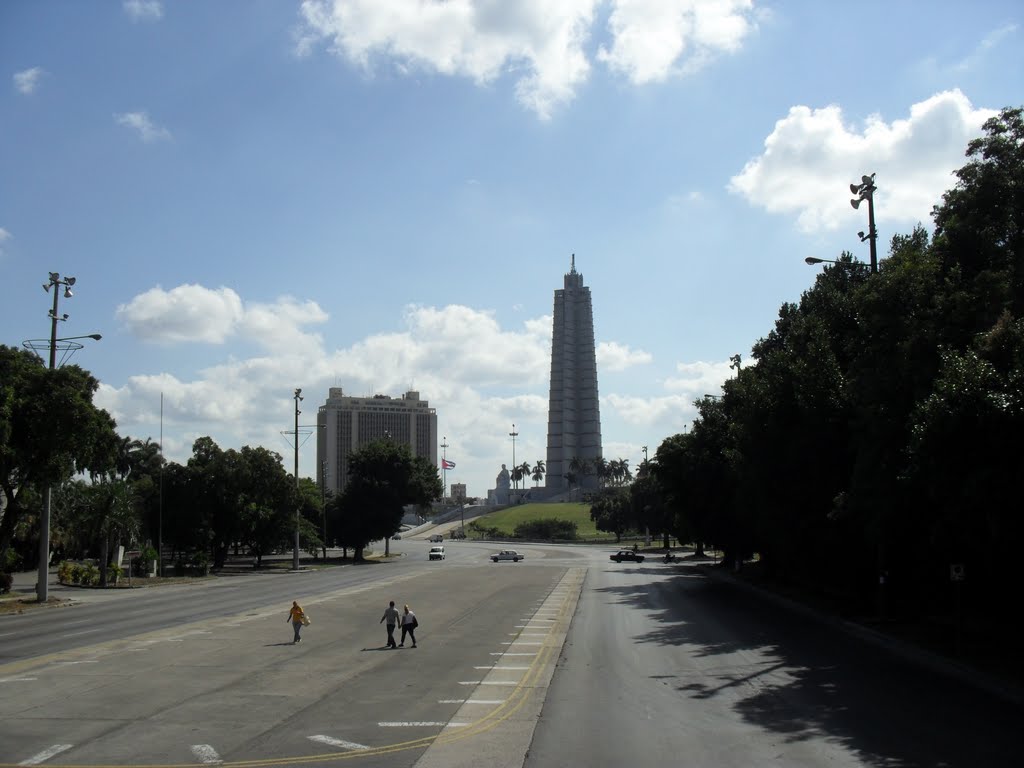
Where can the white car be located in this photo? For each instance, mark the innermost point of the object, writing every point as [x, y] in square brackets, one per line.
[436, 553]
[507, 554]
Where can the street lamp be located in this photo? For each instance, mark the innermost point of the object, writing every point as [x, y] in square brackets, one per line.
[71, 346]
[298, 506]
[866, 191]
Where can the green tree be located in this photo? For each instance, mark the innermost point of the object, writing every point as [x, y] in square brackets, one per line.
[49, 430]
[383, 478]
[611, 512]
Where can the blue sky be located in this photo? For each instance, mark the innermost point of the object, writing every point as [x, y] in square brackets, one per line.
[382, 195]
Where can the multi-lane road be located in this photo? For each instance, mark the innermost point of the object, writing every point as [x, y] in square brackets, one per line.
[564, 659]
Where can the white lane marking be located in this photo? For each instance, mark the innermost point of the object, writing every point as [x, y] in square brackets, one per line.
[422, 724]
[83, 661]
[509, 653]
[46, 754]
[17, 679]
[489, 682]
[471, 701]
[206, 754]
[528, 634]
[517, 642]
[83, 632]
[330, 741]
[492, 666]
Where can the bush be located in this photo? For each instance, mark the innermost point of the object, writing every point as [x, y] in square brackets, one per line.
[548, 528]
[5, 583]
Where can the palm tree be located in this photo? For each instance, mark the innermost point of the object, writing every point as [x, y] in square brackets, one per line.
[538, 472]
[526, 469]
[601, 470]
[517, 475]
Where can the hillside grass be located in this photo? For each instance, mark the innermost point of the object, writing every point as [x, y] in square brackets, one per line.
[506, 520]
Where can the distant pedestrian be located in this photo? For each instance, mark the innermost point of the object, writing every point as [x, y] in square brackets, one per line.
[391, 615]
[409, 624]
[297, 617]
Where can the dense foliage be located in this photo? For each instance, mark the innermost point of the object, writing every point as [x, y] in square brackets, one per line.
[876, 442]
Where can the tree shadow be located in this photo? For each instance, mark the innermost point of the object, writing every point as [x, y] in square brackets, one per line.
[804, 678]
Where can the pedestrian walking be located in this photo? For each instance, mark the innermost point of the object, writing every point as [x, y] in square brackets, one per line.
[297, 617]
[409, 624]
[391, 616]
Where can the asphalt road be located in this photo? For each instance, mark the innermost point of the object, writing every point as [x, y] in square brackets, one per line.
[663, 666]
[565, 659]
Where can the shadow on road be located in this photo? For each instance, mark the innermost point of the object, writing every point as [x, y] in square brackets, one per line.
[802, 678]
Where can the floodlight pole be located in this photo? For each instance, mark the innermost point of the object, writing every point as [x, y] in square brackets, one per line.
[298, 503]
[866, 191]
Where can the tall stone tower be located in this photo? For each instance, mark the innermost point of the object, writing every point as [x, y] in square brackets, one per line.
[574, 418]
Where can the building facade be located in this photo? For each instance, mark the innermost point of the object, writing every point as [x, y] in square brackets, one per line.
[346, 424]
[574, 417]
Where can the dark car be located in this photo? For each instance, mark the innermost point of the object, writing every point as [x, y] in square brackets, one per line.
[627, 554]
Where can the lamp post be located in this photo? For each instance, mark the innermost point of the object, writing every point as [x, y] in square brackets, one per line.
[513, 434]
[866, 191]
[71, 346]
[298, 506]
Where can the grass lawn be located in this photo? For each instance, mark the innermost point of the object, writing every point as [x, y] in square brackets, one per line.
[506, 520]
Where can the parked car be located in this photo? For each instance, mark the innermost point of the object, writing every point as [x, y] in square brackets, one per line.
[436, 538]
[436, 553]
[627, 554]
[507, 554]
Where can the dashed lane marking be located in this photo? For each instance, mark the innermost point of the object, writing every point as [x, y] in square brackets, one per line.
[509, 653]
[17, 679]
[333, 742]
[46, 754]
[471, 701]
[206, 754]
[423, 724]
[493, 666]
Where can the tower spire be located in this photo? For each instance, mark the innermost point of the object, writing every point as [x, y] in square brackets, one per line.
[572, 264]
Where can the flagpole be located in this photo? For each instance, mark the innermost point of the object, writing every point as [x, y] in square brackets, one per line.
[444, 466]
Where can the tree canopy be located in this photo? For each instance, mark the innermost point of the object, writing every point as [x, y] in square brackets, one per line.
[876, 439]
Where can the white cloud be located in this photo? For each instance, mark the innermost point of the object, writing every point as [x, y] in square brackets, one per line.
[140, 122]
[28, 80]
[698, 379]
[183, 314]
[612, 356]
[143, 10]
[540, 43]
[459, 358]
[668, 412]
[4, 237]
[811, 157]
[655, 39]
[992, 40]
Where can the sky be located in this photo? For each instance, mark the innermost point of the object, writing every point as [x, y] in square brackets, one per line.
[256, 196]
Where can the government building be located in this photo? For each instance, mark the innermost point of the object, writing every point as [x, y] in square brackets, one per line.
[347, 424]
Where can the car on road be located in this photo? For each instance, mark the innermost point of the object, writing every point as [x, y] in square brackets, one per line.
[436, 553]
[507, 554]
[436, 538]
[627, 554]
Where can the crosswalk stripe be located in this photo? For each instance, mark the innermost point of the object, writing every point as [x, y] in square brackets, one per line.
[46, 754]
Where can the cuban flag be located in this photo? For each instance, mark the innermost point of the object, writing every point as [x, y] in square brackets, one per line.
[445, 464]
